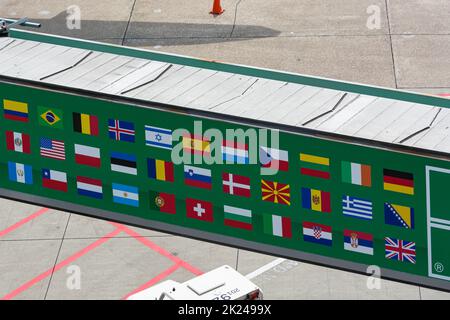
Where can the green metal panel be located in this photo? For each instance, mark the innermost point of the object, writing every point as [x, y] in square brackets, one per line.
[337, 185]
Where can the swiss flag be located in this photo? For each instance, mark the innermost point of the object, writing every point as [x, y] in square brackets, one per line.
[198, 209]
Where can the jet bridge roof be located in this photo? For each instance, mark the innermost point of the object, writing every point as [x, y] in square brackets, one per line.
[353, 110]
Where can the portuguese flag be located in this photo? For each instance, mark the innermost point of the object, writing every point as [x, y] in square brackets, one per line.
[398, 181]
[277, 225]
[162, 202]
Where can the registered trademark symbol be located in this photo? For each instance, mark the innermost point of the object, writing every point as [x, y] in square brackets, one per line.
[439, 267]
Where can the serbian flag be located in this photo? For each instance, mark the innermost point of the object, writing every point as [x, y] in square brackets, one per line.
[236, 185]
[19, 142]
[89, 156]
[56, 180]
[277, 225]
[274, 158]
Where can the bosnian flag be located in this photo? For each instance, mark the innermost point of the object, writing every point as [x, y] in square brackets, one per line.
[197, 177]
[274, 158]
[234, 152]
[317, 233]
[358, 242]
[89, 187]
[89, 156]
[56, 180]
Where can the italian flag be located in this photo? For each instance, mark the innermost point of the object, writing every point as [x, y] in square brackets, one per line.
[237, 217]
[277, 225]
[356, 173]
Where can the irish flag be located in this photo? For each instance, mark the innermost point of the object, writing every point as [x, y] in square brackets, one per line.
[277, 225]
[237, 217]
[356, 173]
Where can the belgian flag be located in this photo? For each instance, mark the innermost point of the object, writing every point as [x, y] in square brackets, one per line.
[85, 124]
[398, 181]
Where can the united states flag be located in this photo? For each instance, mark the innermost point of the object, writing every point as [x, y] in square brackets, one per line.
[400, 250]
[53, 149]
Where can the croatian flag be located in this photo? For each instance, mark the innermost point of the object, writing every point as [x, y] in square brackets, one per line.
[317, 233]
[234, 152]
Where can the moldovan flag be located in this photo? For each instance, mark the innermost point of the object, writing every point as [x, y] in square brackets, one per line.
[160, 169]
[56, 180]
[358, 242]
[356, 173]
[86, 155]
[236, 185]
[85, 124]
[316, 200]
[315, 166]
[398, 181]
[163, 202]
[199, 209]
[277, 225]
[196, 145]
[14, 110]
[19, 142]
[317, 233]
[20, 172]
[274, 158]
[237, 217]
[89, 187]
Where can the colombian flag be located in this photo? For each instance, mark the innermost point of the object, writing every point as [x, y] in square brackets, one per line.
[316, 200]
[398, 181]
[14, 110]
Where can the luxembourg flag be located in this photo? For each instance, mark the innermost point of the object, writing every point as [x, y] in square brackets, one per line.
[274, 158]
[197, 177]
[56, 180]
[234, 152]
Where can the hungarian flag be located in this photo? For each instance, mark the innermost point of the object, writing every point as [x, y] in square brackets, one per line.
[356, 173]
[86, 155]
[199, 209]
[236, 185]
[276, 192]
[277, 225]
[85, 124]
[237, 217]
[163, 202]
[19, 142]
[315, 166]
[398, 181]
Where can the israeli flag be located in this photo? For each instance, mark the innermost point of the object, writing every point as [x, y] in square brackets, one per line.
[158, 137]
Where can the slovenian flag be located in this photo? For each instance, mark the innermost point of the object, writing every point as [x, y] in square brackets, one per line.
[317, 233]
[358, 242]
[89, 187]
[234, 152]
[158, 137]
[56, 180]
[274, 158]
[197, 177]
[277, 225]
[20, 172]
[126, 195]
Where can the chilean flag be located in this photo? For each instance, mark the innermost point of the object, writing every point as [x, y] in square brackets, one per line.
[55, 180]
[274, 158]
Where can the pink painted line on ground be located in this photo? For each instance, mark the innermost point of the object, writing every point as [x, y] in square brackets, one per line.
[157, 249]
[155, 280]
[23, 221]
[60, 265]
[444, 94]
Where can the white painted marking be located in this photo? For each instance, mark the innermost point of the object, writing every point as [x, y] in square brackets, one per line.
[265, 268]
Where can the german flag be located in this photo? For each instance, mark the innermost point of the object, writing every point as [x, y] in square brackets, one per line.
[398, 181]
[85, 124]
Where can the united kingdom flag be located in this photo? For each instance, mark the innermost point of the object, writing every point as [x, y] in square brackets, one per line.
[400, 250]
[121, 130]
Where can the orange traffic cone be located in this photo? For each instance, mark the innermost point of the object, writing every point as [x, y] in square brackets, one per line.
[217, 8]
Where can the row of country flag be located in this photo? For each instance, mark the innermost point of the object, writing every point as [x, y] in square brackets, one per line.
[235, 217]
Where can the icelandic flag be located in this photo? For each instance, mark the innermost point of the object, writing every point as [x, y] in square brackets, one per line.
[89, 187]
[197, 177]
[234, 152]
[358, 242]
[126, 195]
[20, 172]
[317, 233]
[274, 158]
[158, 137]
[121, 130]
[55, 180]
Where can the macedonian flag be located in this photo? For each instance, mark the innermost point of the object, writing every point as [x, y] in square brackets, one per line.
[276, 192]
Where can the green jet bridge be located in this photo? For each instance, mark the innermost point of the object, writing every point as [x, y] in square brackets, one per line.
[364, 171]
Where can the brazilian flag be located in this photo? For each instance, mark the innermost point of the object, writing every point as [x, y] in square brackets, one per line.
[50, 117]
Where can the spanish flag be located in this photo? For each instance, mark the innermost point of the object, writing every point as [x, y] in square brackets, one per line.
[196, 145]
[14, 110]
[398, 181]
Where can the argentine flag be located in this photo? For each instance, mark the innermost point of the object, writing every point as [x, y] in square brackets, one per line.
[126, 195]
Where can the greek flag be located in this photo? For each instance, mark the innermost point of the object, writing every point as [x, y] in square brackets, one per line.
[357, 208]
